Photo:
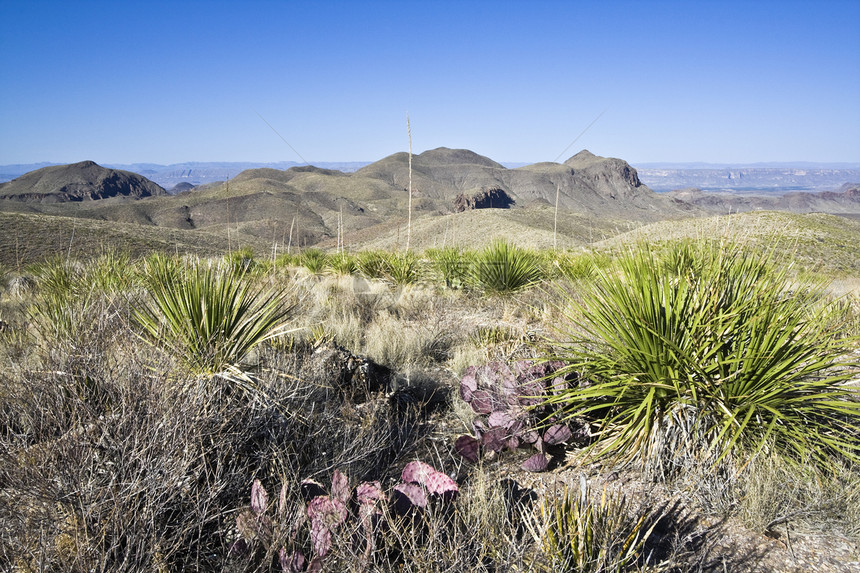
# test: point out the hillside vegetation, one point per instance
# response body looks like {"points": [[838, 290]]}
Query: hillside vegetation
{"points": [[303, 206]]}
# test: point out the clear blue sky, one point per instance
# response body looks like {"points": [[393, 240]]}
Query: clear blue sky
{"points": [[165, 82]]}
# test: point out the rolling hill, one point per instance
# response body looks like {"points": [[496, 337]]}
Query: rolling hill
{"points": [[307, 205], [459, 198]]}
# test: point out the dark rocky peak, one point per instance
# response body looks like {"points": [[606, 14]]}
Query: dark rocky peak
{"points": [[82, 181], [181, 188], [848, 192], [494, 198]]}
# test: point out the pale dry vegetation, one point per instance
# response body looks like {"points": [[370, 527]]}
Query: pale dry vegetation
{"points": [[140, 420]]}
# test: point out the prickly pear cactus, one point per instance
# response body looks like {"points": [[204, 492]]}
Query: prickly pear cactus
{"points": [[508, 405]]}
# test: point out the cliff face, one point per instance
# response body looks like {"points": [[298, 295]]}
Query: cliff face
{"points": [[483, 199], [83, 181]]}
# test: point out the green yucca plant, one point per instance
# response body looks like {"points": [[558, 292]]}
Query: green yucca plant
{"points": [[343, 264], [286, 260], [404, 268], [111, 272], [373, 264], [579, 267], [63, 318], [451, 265], [241, 261], [210, 316], [57, 275], [503, 267], [578, 534], [709, 353], [64, 300], [314, 260]]}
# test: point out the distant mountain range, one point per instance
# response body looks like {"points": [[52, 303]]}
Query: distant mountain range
{"points": [[307, 205], [191, 172], [458, 197], [751, 179], [756, 177]]}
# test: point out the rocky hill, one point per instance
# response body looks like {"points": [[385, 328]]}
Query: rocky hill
{"points": [[308, 205], [457, 196], [83, 181]]}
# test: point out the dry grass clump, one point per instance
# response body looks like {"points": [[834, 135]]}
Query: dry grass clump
{"points": [[772, 495], [399, 326]]}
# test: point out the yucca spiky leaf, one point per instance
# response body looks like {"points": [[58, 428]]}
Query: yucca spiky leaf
{"points": [[207, 314]]}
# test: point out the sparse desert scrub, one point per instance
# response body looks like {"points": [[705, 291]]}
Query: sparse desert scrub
{"points": [[149, 474], [708, 353], [117, 457], [774, 495]]}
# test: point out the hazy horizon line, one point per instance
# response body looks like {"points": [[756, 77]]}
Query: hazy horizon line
{"points": [[798, 164]]}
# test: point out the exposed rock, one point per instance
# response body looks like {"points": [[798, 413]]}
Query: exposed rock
{"points": [[355, 376], [844, 201], [484, 199], [611, 177], [848, 192]]}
